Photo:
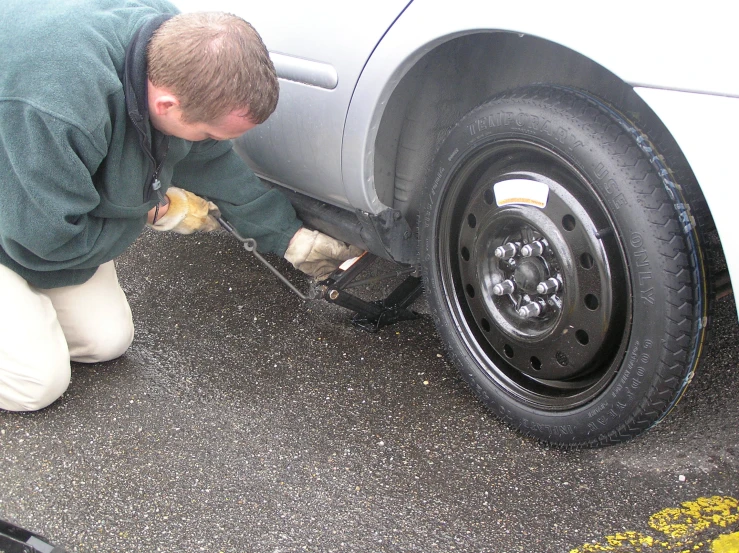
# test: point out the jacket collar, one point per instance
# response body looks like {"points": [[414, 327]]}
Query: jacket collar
{"points": [[135, 77], [135, 88]]}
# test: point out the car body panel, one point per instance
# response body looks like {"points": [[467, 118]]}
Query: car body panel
{"points": [[300, 145], [656, 60], [321, 140]]}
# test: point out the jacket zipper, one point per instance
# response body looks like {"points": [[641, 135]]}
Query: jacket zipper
{"points": [[156, 184]]}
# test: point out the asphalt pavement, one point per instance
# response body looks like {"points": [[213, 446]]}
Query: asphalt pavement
{"points": [[245, 420]]}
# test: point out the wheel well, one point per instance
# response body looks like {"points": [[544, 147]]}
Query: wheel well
{"points": [[459, 75]]}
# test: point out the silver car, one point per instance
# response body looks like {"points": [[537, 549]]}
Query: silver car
{"points": [[560, 172]]}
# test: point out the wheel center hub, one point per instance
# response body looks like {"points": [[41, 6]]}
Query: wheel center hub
{"points": [[529, 273]]}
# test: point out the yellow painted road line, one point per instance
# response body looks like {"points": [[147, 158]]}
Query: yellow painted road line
{"points": [[706, 525]]}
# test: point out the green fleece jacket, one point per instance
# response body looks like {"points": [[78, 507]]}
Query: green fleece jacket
{"points": [[75, 179]]}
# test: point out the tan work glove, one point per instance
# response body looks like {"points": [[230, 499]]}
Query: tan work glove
{"points": [[187, 213], [316, 254]]}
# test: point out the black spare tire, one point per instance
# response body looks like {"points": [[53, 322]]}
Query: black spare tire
{"points": [[562, 270]]}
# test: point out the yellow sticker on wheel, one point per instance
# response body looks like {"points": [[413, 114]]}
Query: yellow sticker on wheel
{"points": [[706, 525]]}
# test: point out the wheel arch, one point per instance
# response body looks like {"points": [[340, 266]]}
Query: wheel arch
{"points": [[464, 71]]}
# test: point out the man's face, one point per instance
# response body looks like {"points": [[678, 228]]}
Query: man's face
{"points": [[231, 126]]}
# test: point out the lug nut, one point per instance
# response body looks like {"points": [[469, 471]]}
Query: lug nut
{"points": [[533, 249], [548, 286], [530, 310], [506, 251], [503, 288]]}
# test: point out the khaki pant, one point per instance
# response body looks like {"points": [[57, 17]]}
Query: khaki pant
{"points": [[42, 330]]}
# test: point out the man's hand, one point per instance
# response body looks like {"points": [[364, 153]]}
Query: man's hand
{"points": [[316, 254], [187, 213]]}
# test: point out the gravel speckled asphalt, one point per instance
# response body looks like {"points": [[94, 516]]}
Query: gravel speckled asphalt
{"points": [[243, 420]]}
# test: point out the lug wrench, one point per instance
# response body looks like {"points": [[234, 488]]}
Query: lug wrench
{"points": [[250, 245], [369, 316]]}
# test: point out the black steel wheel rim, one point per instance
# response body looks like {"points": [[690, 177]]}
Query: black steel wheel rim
{"points": [[540, 295]]}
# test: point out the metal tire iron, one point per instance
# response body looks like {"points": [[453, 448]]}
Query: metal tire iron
{"points": [[370, 316]]}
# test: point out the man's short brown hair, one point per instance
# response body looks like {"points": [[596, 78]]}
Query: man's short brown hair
{"points": [[214, 63]]}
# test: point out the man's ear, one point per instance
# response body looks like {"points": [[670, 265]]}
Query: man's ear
{"points": [[164, 102], [161, 100]]}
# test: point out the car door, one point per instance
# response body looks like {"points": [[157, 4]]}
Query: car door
{"points": [[319, 50]]}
